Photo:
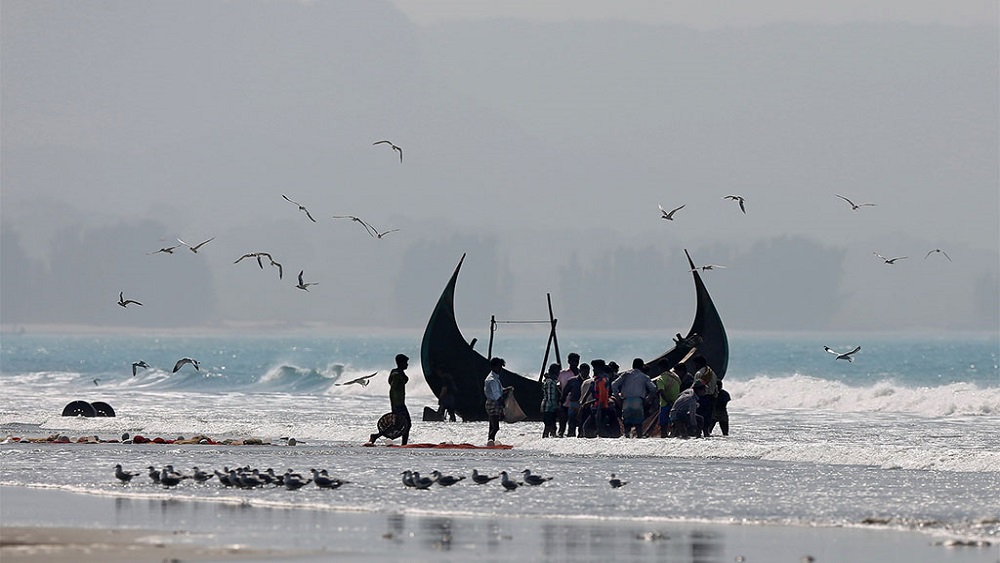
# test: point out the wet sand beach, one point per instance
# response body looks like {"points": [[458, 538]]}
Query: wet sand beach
{"points": [[56, 525]]}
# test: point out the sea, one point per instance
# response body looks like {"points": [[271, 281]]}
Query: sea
{"points": [[905, 437]]}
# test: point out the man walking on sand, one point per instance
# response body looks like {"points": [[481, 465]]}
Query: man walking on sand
{"points": [[397, 399]]}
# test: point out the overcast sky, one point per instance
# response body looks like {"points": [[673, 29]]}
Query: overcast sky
{"points": [[538, 137]]}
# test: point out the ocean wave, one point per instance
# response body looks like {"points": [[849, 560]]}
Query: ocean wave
{"points": [[887, 395]]}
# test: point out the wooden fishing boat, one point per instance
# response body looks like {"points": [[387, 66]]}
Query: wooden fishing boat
{"points": [[446, 354]]}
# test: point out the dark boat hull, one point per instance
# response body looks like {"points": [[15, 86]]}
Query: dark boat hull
{"points": [[444, 350]]}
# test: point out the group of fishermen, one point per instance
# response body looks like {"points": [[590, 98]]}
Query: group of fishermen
{"points": [[595, 400], [591, 400]]}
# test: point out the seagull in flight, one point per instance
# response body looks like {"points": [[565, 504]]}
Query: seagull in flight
{"points": [[889, 260], [855, 206], [846, 355], [303, 285], [708, 267], [197, 246], [258, 256], [740, 199], [362, 381], [136, 365], [938, 250], [165, 250], [126, 302], [180, 363], [302, 208], [669, 216], [372, 232], [379, 235], [394, 147], [96, 379]]}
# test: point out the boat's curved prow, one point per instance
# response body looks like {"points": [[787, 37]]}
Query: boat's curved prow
{"points": [[445, 353], [707, 336]]}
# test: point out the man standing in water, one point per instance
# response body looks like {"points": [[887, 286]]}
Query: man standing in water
{"points": [[494, 391], [397, 399]]}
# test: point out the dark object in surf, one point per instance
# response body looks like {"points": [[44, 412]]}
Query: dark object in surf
{"points": [[389, 427], [79, 408], [83, 408], [445, 350], [102, 409]]}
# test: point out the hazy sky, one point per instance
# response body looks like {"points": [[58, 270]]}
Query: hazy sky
{"points": [[538, 137]]}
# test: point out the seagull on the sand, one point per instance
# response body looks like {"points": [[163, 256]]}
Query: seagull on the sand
{"points": [[740, 199], [294, 481], [372, 232], [394, 147], [302, 208], [197, 246], [165, 250], [421, 482], [140, 364], [843, 356], [326, 482], [938, 250], [615, 482], [855, 206], [407, 478], [126, 302], [122, 475], [480, 479], [445, 480], [534, 479], [154, 474], [180, 363], [507, 482], [200, 476], [362, 381], [708, 267], [889, 260], [303, 285], [669, 216]]}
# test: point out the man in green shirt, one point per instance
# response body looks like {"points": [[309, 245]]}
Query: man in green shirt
{"points": [[668, 386]]}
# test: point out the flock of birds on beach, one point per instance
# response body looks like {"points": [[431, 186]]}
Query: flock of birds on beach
{"points": [[252, 478]]}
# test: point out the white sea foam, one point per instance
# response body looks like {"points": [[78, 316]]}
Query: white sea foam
{"points": [[800, 391]]}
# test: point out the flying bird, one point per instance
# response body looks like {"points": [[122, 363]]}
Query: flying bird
{"points": [[615, 482], [197, 246], [362, 381], [708, 267], [394, 147], [938, 250], [140, 364], [96, 380], [379, 235], [256, 255], [855, 206], [889, 260], [740, 199], [126, 302], [846, 355], [166, 250], [303, 285], [669, 216], [302, 208], [180, 363], [368, 228]]}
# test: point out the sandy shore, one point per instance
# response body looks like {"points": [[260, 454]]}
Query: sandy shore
{"points": [[55, 526]]}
